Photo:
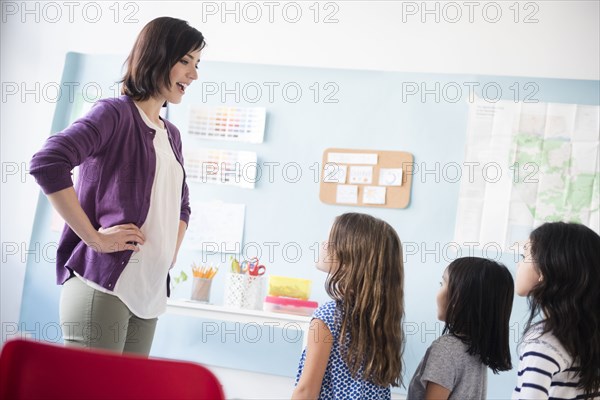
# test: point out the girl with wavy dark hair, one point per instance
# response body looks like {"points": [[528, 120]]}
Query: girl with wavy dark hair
{"points": [[355, 343], [560, 275], [475, 301]]}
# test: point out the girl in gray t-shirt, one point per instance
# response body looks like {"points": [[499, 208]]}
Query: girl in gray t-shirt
{"points": [[475, 301]]}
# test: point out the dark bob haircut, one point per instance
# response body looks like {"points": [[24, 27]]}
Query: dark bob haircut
{"points": [[159, 46], [567, 255], [479, 303]]}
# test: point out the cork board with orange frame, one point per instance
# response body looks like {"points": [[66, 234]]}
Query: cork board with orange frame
{"points": [[368, 178]]}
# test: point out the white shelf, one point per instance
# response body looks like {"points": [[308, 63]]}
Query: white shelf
{"points": [[192, 308]]}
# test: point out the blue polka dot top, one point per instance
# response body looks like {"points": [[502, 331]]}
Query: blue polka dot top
{"points": [[338, 382]]}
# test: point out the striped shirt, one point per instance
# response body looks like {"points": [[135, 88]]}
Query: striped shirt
{"points": [[545, 369]]}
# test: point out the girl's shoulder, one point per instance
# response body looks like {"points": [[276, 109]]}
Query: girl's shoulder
{"points": [[449, 344], [536, 334], [537, 341], [327, 313], [325, 309]]}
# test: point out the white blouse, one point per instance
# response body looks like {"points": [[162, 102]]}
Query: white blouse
{"points": [[143, 284]]}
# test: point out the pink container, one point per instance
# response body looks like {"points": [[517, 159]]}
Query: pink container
{"points": [[289, 305]]}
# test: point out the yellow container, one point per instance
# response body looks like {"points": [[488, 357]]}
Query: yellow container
{"points": [[289, 287]]}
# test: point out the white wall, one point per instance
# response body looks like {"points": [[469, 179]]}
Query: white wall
{"points": [[387, 35]]}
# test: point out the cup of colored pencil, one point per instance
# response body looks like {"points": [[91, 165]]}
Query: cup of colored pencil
{"points": [[203, 276], [204, 271]]}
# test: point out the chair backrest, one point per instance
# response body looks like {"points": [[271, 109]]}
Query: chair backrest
{"points": [[30, 369]]}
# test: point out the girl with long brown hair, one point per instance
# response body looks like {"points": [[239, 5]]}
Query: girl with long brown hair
{"points": [[355, 343]]}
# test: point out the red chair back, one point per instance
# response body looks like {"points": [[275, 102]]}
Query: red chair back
{"points": [[34, 370]]}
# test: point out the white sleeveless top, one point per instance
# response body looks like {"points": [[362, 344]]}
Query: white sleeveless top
{"points": [[143, 284]]}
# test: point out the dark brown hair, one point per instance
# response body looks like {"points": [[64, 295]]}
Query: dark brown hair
{"points": [[567, 255], [367, 284], [159, 46], [480, 299]]}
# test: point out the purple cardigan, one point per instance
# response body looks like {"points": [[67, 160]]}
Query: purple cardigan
{"points": [[115, 151]]}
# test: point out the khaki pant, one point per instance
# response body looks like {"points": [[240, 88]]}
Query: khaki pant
{"points": [[92, 319]]}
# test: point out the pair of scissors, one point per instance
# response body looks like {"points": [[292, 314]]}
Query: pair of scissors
{"points": [[252, 267]]}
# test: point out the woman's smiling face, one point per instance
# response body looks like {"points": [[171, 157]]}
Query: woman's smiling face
{"points": [[183, 73]]}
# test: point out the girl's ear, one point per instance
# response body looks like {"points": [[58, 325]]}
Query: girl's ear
{"points": [[541, 278]]}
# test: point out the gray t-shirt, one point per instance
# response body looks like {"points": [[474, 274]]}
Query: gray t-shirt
{"points": [[448, 364]]}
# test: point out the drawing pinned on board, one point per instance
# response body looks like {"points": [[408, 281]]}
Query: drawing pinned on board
{"points": [[335, 173], [352, 158], [390, 176], [347, 194], [361, 174], [215, 226], [374, 195]]}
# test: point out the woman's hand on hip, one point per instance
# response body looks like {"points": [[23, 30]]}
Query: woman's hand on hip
{"points": [[118, 238]]}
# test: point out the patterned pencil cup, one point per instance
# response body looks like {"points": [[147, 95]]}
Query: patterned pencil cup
{"points": [[244, 291], [201, 289]]}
